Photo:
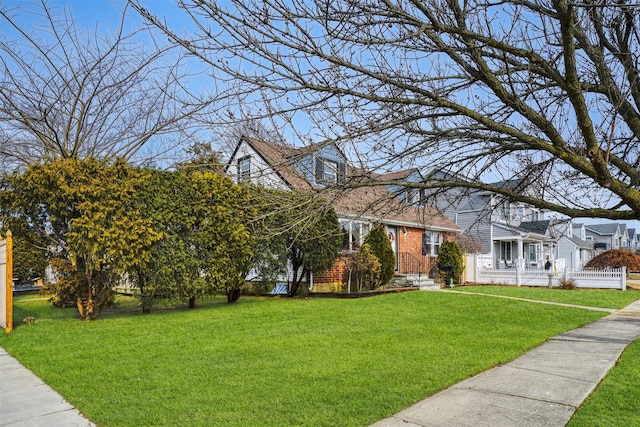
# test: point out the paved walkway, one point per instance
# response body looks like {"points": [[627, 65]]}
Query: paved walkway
{"points": [[26, 401], [541, 388]]}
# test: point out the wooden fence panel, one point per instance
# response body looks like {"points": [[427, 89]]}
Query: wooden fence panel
{"points": [[6, 283]]}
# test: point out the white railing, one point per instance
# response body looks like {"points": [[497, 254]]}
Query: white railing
{"points": [[597, 279]]}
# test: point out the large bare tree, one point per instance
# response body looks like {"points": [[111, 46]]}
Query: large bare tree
{"points": [[545, 92], [70, 92]]}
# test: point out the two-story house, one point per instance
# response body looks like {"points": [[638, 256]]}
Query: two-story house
{"points": [[415, 232], [508, 232], [634, 243], [607, 236], [573, 246]]}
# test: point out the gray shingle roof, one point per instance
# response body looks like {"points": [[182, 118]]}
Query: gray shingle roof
{"points": [[608, 229], [582, 244], [538, 227], [366, 201]]}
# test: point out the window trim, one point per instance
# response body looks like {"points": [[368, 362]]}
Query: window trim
{"points": [[505, 211], [244, 175], [504, 252], [321, 176], [431, 242]]}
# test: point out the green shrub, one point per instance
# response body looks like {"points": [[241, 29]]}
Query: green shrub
{"points": [[366, 269], [450, 255], [381, 247]]}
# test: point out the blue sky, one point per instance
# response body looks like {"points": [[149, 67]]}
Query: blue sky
{"points": [[106, 14]]}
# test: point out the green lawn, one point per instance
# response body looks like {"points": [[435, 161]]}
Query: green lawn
{"points": [[606, 298], [615, 401], [269, 362]]}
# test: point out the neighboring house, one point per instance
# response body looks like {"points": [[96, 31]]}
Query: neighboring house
{"points": [[573, 246], [415, 232], [509, 233], [607, 236], [634, 245]]}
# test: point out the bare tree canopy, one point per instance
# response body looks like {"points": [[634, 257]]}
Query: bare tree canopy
{"points": [[70, 93], [542, 91]]}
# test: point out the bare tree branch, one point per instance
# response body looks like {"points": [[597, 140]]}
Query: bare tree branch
{"points": [[67, 93], [545, 91]]}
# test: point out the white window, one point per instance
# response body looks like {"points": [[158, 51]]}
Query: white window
{"points": [[244, 169], [534, 215], [364, 230], [355, 232], [329, 171], [533, 252], [505, 251], [430, 243], [413, 197], [505, 211]]}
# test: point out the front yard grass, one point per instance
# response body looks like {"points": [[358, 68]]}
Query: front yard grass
{"points": [[615, 401], [604, 298], [277, 361]]}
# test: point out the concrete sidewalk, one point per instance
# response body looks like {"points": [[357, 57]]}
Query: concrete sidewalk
{"points": [[541, 388], [25, 400]]}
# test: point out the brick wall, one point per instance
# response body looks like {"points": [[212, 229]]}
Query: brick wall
{"points": [[336, 278], [410, 240], [333, 279]]}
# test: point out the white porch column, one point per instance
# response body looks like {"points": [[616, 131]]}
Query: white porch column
{"points": [[520, 261]]}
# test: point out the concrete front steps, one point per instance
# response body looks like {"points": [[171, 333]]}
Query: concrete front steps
{"points": [[413, 280]]}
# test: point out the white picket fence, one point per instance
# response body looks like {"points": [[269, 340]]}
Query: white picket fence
{"points": [[595, 279]]}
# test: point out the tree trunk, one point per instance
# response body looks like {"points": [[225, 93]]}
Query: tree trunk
{"points": [[192, 302], [145, 298], [233, 295], [297, 261]]}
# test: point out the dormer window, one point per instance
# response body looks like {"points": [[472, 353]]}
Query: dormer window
{"points": [[413, 197], [244, 169], [329, 171]]}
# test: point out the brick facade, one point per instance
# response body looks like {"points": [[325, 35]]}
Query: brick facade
{"points": [[409, 242], [332, 280]]}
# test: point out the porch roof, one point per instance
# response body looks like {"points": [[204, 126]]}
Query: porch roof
{"points": [[514, 233]]}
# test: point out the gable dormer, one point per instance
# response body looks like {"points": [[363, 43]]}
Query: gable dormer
{"points": [[321, 165], [410, 195]]}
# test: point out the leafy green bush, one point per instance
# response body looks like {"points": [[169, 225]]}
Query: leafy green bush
{"points": [[381, 247], [450, 255], [366, 269]]}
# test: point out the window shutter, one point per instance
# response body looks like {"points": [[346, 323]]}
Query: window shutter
{"points": [[319, 170], [342, 173]]}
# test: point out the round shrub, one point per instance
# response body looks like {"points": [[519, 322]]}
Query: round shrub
{"points": [[450, 256]]}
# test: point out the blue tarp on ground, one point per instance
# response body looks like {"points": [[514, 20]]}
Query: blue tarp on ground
{"points": [[279, 289]]}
